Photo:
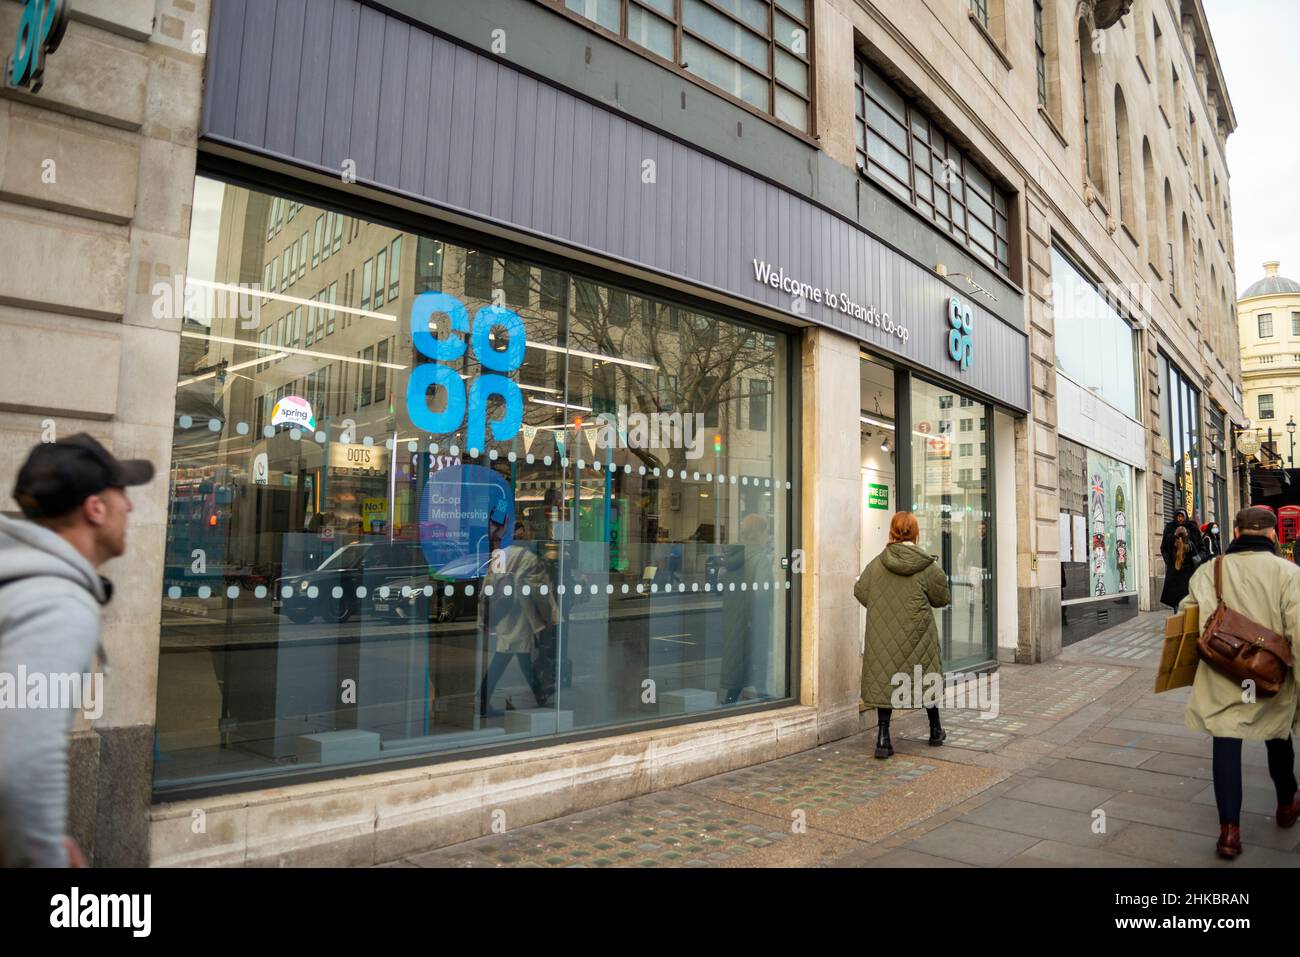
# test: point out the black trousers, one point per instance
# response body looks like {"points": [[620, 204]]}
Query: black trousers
{"points": [[884, 714], [497, 667], [1227, 774]]}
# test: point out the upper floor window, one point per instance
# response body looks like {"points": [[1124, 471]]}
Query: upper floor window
{"points": [[1266, 406], [899, 147], [757, 51], [1265, 325], [980, 10], [1094, 146], [1040, 53]]}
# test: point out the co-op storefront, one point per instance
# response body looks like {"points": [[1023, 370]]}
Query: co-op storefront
{"points": [[479, 455]]}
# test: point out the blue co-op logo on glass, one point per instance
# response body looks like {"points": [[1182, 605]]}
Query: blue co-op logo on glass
{"points": [[490, 322]]}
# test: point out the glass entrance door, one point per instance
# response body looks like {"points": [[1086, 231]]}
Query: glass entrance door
{"points": [[879, 440], [952, 497]]}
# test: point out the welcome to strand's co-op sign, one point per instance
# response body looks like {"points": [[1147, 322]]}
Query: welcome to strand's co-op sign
{"points": [[803, 292]]}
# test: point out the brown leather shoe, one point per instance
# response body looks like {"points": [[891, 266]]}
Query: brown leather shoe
{"points": [[1287, 814], [1229, 845]]}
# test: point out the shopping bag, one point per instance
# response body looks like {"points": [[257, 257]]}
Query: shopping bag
{"points": [[1179, 657]]}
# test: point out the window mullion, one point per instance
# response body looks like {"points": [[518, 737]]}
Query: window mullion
{"points": [[678, 57], [911, 151], [771, 59]]}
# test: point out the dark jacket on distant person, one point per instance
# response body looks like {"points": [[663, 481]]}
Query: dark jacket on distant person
{"points": [[1167, 538], [1210, 542], [1177, 579]]}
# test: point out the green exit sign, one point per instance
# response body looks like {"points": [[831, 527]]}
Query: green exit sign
{"points": [[877, 496]]}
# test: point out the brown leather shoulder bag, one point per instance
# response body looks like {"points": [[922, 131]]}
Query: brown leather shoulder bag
{"points": [[1242, 649]]}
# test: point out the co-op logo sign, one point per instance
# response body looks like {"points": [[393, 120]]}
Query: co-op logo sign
{"points": [[40, 31], [961, 327], [490, 324]]}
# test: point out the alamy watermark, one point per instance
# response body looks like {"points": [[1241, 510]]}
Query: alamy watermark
{"points": [[921, 689], [654, 430], [199, 299], [40, 690]]}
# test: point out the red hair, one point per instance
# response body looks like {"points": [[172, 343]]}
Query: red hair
{"points": [[903, 527]]}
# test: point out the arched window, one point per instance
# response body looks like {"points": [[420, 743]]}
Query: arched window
{"points": [[1162, 67], [1094, 140], [1151, 200], [1124, 164], [1214, 320], [1205, 293], [1171, 234], [1047, 65], [1188, 268]]}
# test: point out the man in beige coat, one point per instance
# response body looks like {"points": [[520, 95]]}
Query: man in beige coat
{"points": [[1261, 585]]}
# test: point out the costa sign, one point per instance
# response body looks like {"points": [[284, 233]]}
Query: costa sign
{"points": [[40, 31]]}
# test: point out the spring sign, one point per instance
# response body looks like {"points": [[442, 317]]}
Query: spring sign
{"points": [[464, 406]]}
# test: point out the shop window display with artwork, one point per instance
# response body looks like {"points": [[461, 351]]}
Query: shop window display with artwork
{"points": [[1096, 524]]}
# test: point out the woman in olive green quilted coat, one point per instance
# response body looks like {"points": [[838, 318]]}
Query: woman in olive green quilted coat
{"points": [[899, 588]]}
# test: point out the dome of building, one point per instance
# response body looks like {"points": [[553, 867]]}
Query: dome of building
{"points": [[1272, 284]]}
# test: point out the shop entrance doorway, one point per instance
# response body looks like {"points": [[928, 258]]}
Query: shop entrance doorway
{"points": [[878, 436]]}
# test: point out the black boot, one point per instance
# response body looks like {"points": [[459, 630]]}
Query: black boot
{"points": [[937, 734], [884, 747]]}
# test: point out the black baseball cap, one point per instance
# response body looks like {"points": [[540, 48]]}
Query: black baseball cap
{"points": [[59, 476]]}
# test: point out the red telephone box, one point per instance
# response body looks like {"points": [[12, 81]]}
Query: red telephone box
{"points": [[1288, 523]]}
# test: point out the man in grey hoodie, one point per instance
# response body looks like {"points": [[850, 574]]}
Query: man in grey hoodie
{"points": [[73, 495]]}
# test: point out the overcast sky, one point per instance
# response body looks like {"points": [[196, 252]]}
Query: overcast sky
{"points": [[1256, 42]]}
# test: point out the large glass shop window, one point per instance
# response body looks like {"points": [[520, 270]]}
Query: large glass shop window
{"points": [[952, 499], [1184, 402], [1095, 345], [427, 498], [1097, 524]]}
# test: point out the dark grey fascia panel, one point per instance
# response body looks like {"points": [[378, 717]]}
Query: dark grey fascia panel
{"points": [[567, 54], [432, 119]]}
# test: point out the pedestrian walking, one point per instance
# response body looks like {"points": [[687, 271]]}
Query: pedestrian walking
{"points": [[1211, 544], [1257, 583], [516, 612], [899, 587], [1179, 571], [1180, 520], [73, 498]]}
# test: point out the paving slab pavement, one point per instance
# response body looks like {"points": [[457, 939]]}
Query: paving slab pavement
{"points": [[1084, 766]]}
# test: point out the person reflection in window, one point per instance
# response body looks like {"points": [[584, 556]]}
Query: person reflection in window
{"points": [[747, 614], [667, 559], [512, 619]]}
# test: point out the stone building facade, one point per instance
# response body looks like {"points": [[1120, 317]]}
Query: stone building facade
{"points": [[1268, 320], [96, 180], [1023, 209]]}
